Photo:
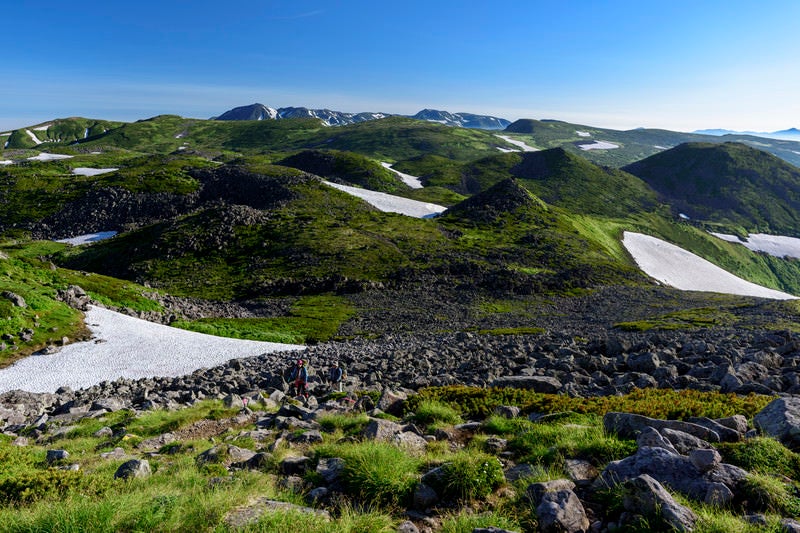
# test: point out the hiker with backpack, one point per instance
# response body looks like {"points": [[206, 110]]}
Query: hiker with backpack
{"points": [[336, 376], [300, 377]]}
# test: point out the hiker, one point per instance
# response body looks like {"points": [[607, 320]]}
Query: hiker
{"points": [[335, 376], [300, 377]]}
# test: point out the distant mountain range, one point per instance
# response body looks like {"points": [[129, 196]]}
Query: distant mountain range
{"points": [[792, 134], [338, 118]]}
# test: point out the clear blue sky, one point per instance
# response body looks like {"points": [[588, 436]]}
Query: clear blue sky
{"points": [[677, 64]]}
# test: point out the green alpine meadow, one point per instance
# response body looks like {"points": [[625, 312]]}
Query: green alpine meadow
{"points": [[510, 359]]}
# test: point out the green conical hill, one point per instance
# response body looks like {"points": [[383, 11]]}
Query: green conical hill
{"points": [[507, 197], [570, 181], [730, 183]]}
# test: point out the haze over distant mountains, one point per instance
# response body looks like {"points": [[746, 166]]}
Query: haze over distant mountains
{"points": [[338, 118], [791, 134]]}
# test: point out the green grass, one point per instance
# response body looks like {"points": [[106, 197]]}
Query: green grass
{"points": [[762, 455], [429, 413], [581, 436], [311, 319], [470, 475], [376, 473], [705, 317]]}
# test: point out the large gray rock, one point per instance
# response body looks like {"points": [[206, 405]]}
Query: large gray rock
{"points": [[678, 472], [135, 468], [382, 430], [629, 425], [683, 442], [781, 419], [543, 384], [14, 298], [644, 495], [561, 512]]}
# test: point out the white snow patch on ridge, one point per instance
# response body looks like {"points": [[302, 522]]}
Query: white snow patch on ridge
{"points": [[390, 203], [88, 237], [412, 181], [44, 156], [775, 245], [521, 144], [6, 162], [85, 171], [686, 271], [33, 137], [127, 347], [598, 145]]}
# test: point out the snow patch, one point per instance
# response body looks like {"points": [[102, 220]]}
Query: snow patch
{"points": [[657, 147], [85, 171], [33, 137], [42, 128], [412, 181], [506, 150], [6, 162], [598, 145], [686, 271], [775, 245], [525, 147], [389, 203], [127, 347], [86, 133], [88, 237], [583, 134], [44, 156]]}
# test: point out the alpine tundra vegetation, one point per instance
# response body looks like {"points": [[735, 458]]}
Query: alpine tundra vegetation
{"points": [[511, 363]]}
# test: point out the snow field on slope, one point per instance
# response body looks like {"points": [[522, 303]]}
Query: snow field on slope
{"points": [[676, 267], [390, 203], [775, 245], [128, 347]]}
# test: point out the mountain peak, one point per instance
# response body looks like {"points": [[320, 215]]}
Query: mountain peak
{"points": [[507, 196], [250, 112]]}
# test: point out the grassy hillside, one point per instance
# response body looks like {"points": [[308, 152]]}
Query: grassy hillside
{"points": [[25, 273], [347, 167], [321, 239], [730, 184]]}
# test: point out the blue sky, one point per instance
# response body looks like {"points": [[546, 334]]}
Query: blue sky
{"points": [[677, 64]]}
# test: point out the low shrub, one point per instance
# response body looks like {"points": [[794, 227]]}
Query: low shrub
{"points": [[431, 412], [656, 403], [470, 476]]}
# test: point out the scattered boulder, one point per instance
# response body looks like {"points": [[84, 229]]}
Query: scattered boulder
{"points": [[629, 425], [135, 468], [14, 298], [781, 419], [646, 496]]}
